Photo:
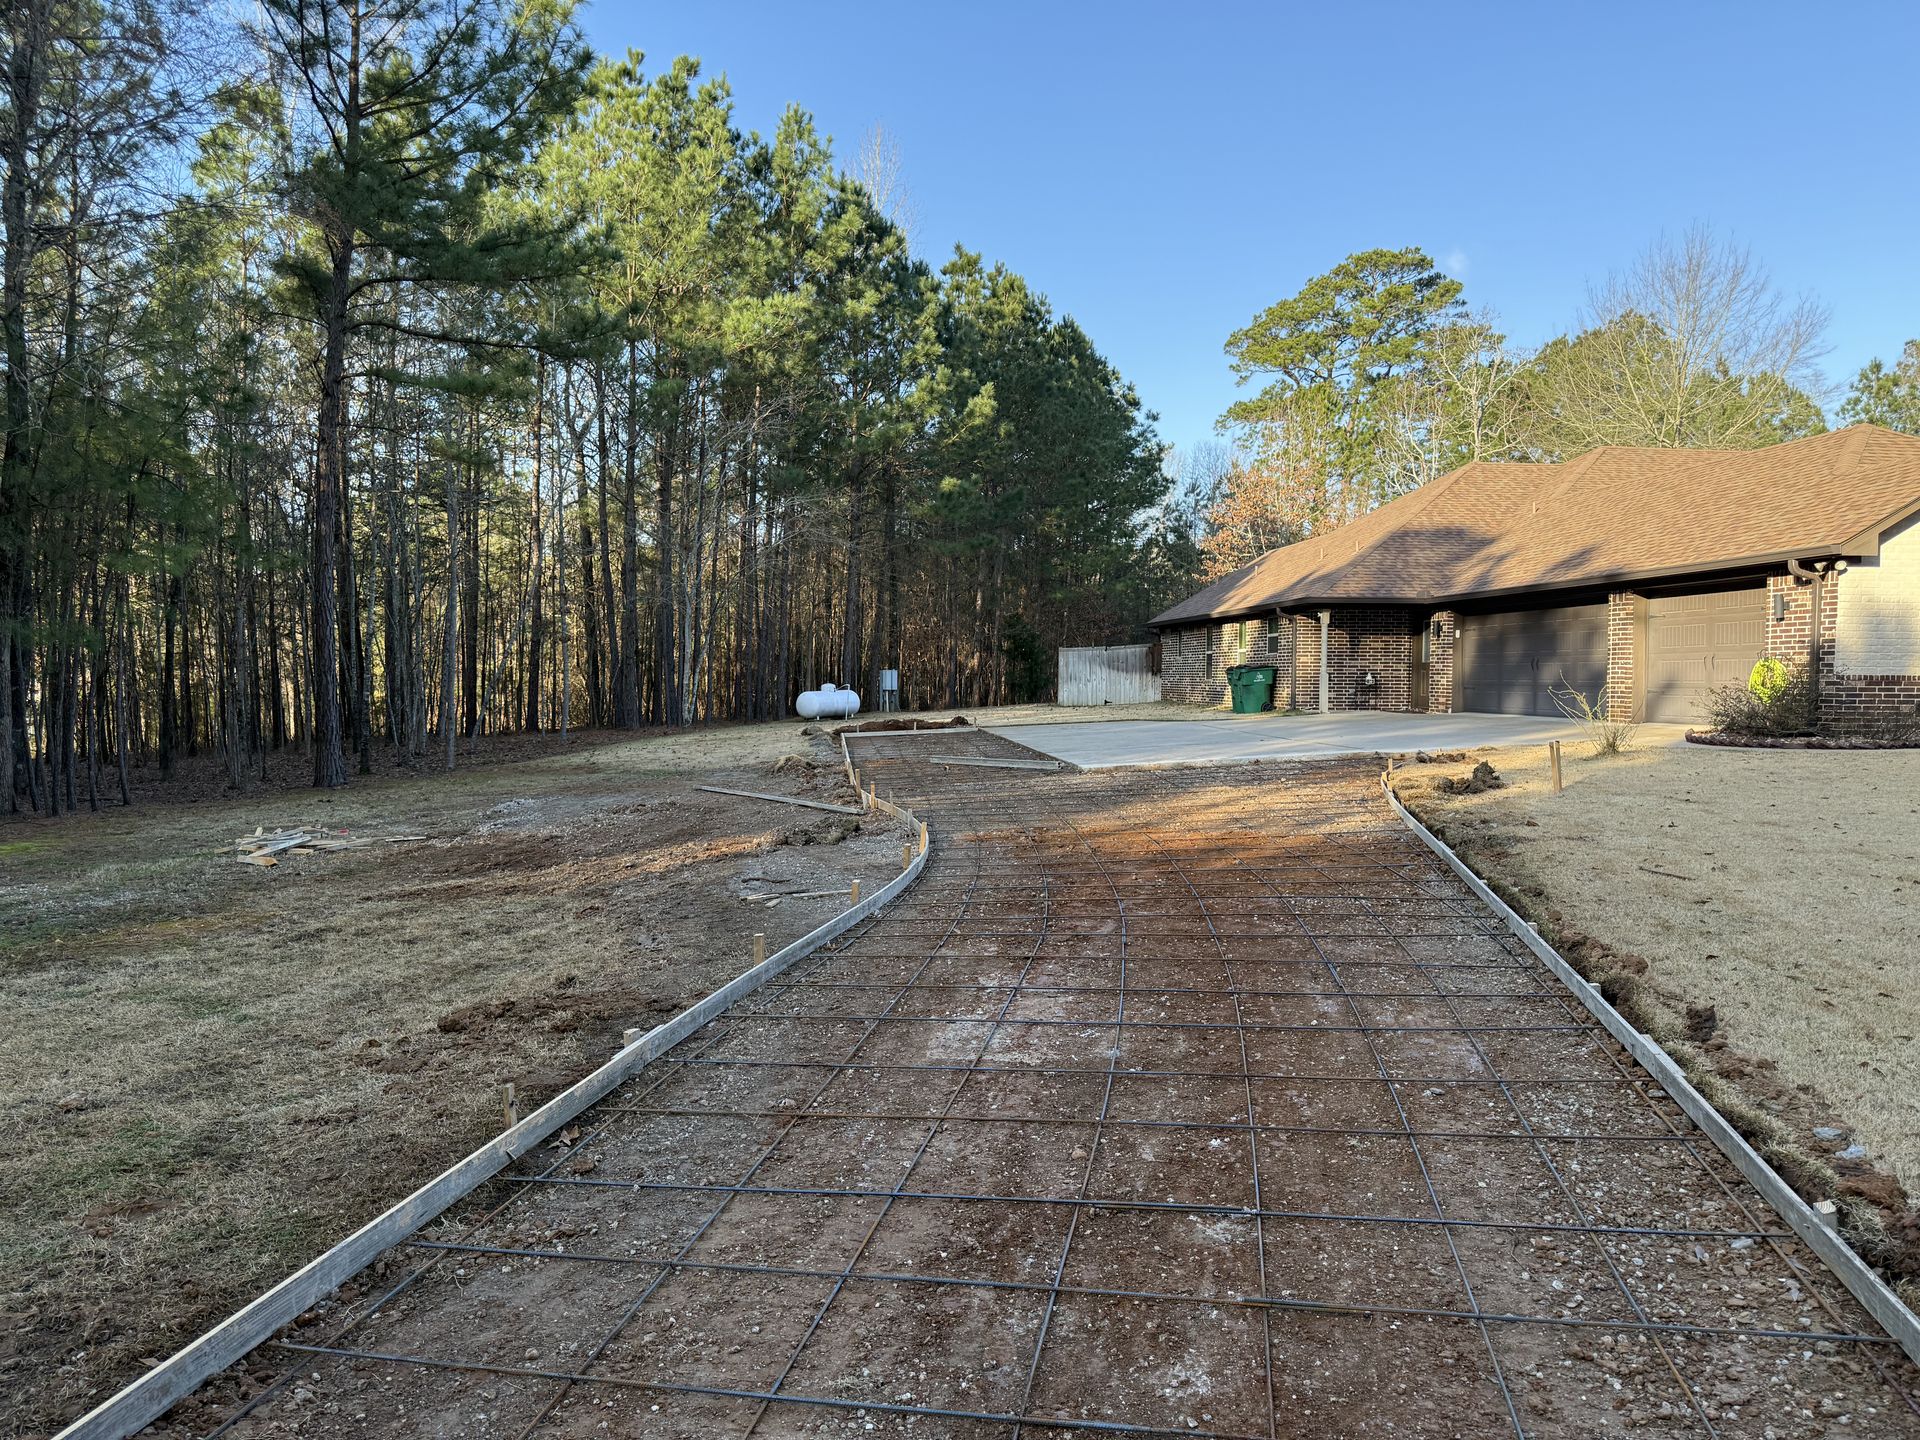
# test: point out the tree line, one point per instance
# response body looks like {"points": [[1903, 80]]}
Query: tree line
{"points": [[1376, 377], [387, 373]]}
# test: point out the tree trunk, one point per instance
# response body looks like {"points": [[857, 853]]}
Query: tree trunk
{"points": [[329, 481], [537, 542], [449, 651]]}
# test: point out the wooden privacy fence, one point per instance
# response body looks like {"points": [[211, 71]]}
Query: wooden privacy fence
{"points": [[1109, 675]]}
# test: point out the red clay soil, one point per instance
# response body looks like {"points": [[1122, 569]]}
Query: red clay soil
{"points": [[1187, 1102]]}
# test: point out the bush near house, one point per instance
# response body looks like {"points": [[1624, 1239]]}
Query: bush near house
{"points": [[1779, 703], [1776, 701]]}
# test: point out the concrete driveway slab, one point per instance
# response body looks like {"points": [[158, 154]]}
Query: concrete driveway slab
{"points": [[1106, 745]]}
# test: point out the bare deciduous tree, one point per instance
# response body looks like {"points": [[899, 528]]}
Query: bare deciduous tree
{"points": [[879, 168], [1692, 345], [1467, 402]]}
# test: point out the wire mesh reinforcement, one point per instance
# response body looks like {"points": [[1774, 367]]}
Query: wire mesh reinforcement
{"points": [[1183, 1101]]}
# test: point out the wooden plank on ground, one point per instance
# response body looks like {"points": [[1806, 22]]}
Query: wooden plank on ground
{"points": [[781, 799], [984, 763], [275, 845]]}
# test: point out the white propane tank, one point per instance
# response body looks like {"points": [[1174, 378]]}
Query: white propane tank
{"points": [[829, 702]]}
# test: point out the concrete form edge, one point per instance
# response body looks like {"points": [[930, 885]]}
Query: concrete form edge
{"points": [[1853, 1272], [146, 1399]]}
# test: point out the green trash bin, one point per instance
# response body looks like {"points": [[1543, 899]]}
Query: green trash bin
{"points": [[1252, 687]]}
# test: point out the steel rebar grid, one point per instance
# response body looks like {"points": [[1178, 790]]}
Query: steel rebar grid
{"points": [[627, 1315], [1010, 806], [1573, 1203], [1735, 1193]]}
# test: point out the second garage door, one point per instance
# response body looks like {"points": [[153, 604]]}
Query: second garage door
{"points": [[1697, 643], [1510, 662]]}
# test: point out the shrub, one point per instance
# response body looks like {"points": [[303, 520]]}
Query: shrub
{"points": [[1769, 680], [1767, 705], [1607, 735]]}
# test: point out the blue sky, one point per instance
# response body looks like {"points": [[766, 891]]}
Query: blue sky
{"points": [[1163, 171]]}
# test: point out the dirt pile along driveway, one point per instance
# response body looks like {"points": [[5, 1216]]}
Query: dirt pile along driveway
{"points": [[1201, 1102]]}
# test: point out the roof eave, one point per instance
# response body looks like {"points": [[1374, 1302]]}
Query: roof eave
{"points": [[1866, 545], [1608, 580], [1854, 548]]}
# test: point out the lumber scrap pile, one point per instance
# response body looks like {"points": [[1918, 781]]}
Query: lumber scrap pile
{"points": [[265, 847]]}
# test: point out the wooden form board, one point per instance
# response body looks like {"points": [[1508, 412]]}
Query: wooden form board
{"points": [[783, 799], [153, 1394], [986, 763], [1853, 1272]]}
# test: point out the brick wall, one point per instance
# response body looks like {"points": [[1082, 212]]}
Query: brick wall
{"points": [[1445, 628], [1876, 619], [1194, 658], [1363, 639], [1862, 623], [1376, 639], [1306, 662], [1844, 696], [1625, 613], [1789, 618], [1281, 655], [1186, 673]]}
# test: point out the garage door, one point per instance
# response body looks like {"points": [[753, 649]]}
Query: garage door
{"points": [[1696, 643], [1510, 662]]}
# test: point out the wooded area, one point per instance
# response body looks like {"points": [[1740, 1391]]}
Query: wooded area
{"points": [[395, 371]]}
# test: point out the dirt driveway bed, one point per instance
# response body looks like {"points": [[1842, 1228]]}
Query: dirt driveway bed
{"points": [[1200, 1102]]}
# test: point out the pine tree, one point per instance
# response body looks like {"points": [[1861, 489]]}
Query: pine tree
{"points": [[419, 109]]}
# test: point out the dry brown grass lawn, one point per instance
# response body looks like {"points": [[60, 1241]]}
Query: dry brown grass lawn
{"points": [[214, 1071], [1780, 887]]}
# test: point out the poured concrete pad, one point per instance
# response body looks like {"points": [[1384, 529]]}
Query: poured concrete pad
{"points": [[1104, 745]]}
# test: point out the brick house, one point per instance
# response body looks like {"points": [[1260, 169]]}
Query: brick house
{"points": [[1651, 576]]}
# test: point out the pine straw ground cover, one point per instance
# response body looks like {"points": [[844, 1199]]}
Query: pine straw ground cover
{"points": [[1758, 912], [213, 1071]]}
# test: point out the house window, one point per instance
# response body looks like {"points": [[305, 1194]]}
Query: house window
{"points": [[1273, 637]]}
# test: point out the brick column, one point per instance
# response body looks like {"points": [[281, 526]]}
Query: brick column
{"points": [[1444, 627], [1624, 610]]}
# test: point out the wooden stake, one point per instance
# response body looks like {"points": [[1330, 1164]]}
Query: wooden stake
{"points": [[923, 837], [906, 856], [856, 894], [759, 949], [509, 1107], [627, 1037], [1553, 754]]}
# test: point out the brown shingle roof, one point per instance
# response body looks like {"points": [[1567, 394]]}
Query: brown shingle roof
{"points": [[1616, 514]]}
